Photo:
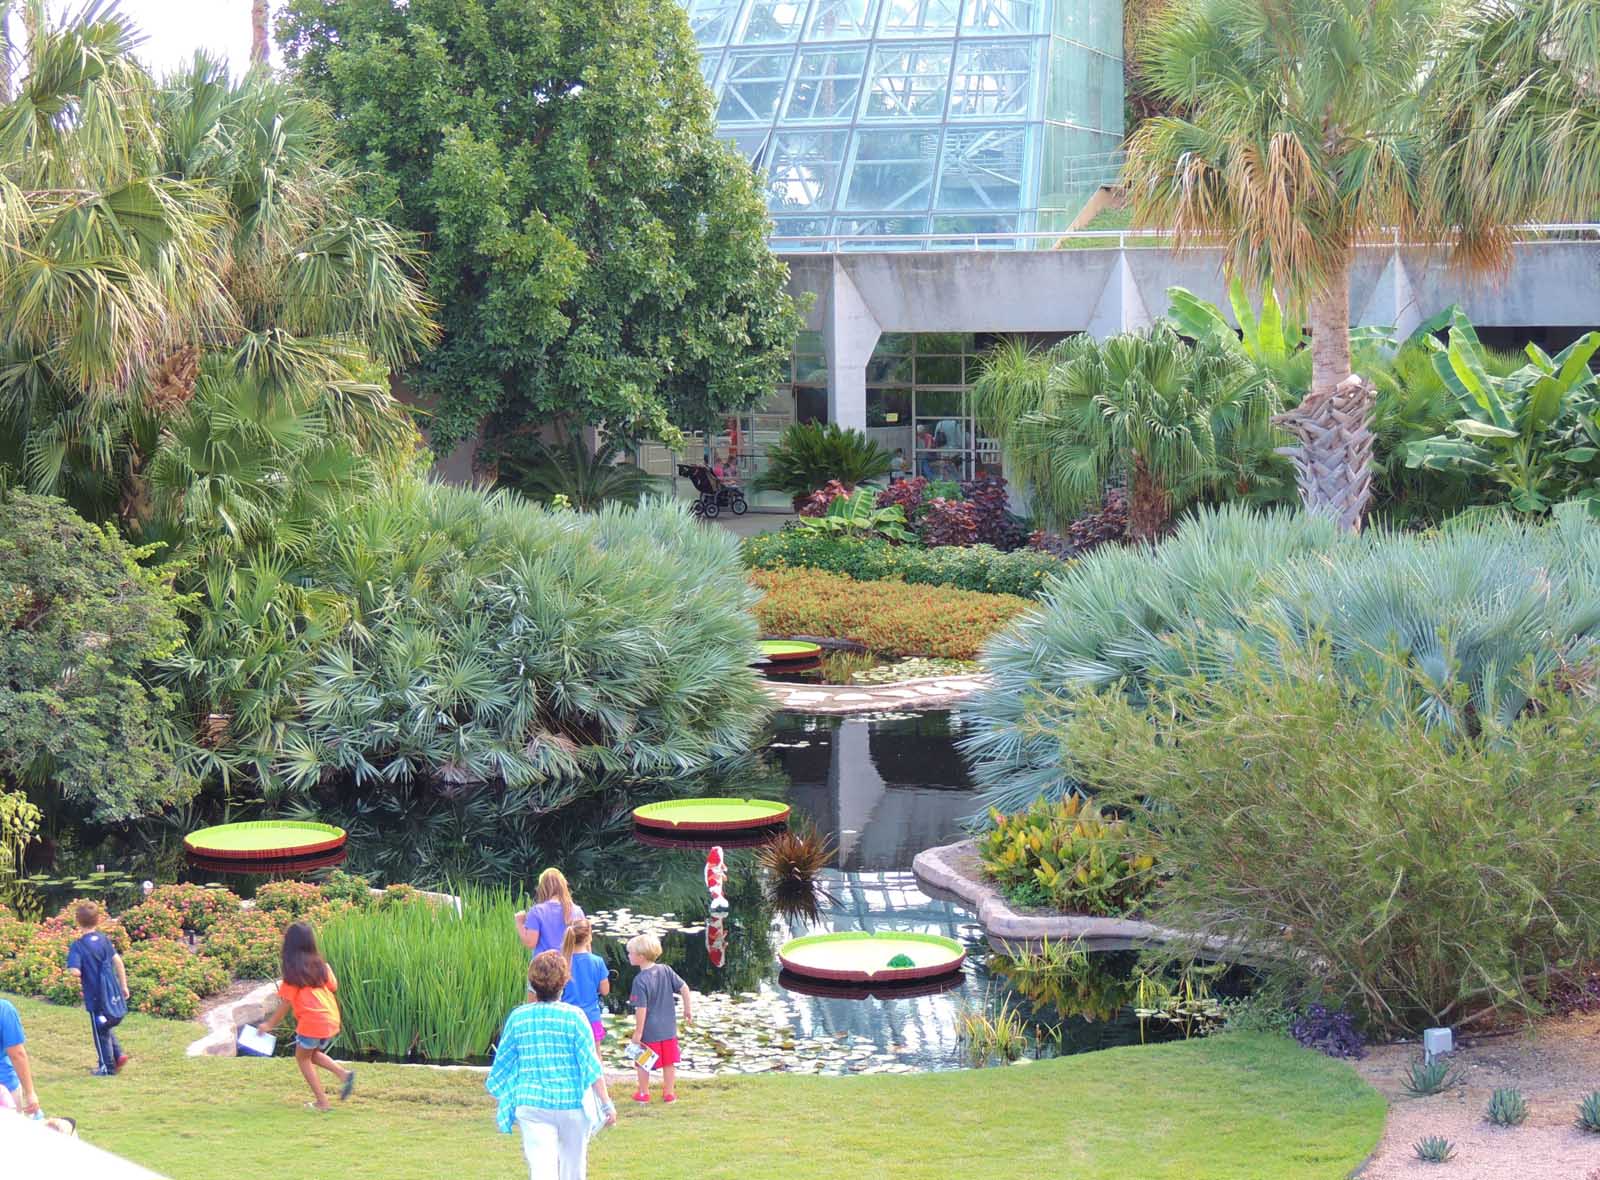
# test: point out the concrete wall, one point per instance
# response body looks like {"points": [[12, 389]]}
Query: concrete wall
{"points": [[860, 296]]}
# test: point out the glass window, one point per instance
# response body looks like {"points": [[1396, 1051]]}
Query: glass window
{"points": [[711, 21], [1001, 16], [752, 83], [804, 170], [841, 20], [892, 171], [938, 370], [917, 18], [827, 85], [908, 83], [1098, 26], [888, 407], [992, 79], [982, 168], [710, 61], [771, 21], [1084, 88]]}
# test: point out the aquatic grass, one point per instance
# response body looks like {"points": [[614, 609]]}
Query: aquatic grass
{"points": [[424, 980]]}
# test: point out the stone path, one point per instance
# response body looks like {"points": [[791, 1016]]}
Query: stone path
{"points": [[933, 693]]}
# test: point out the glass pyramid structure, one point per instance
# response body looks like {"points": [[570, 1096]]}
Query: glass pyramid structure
{"points": [[903, 120]]}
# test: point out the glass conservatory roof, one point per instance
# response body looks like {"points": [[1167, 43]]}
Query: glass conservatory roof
{"points": [[917, 117]]}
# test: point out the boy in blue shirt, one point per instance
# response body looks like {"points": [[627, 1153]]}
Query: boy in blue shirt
{"points": [[16, 1074], [88, 959]]}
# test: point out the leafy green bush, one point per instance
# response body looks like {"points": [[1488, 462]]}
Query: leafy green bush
{"points": [[983, 568], [1339, 816], [250, 945], [807, 455], [888, 618], [459, 982], [857, 514], [197, 907], [1468, 605], [347, 887], [83, 629], [1084, 862], [290, 898]]}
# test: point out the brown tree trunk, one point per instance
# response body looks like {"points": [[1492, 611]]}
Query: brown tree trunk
{"points": [[5, 50], [1333, 424], [1149, 504], [259, 45]]}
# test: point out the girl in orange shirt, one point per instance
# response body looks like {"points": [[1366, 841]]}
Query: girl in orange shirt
{"points": [[307, 989]]}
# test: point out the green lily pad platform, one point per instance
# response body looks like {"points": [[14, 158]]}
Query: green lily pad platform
{"points": [[686, 816], [855, 956], [783, 651], [264, 840]]}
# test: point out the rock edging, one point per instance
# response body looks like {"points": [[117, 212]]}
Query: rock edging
{"points": [[954, 872], [222, 1022]]}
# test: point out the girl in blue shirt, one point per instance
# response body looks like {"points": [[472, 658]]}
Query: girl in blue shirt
{"points": [[590, 980]]}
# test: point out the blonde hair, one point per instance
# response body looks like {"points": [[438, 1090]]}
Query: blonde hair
{"points": [[580, 933], [646, 946], [553, 884]]}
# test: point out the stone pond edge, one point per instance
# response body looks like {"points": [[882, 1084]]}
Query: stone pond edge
{"points": [[928, 692]]}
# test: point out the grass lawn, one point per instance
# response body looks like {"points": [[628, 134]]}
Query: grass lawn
{"points": [[1239, 1107]]}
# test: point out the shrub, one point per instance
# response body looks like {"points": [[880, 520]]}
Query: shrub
{"points": [[991, 513], [292, 898], [889, 618], [949, 522], [809, 455], [982, 568], [80, 705], [1431, 1075], [1434, 1149], [854, 513], [1333, 1033], [1105, 526], [1085, 862], [347, 887], [249, 945], [816, 504], [1429, 872], [1507, 1108], [151, 921], [197, 907], [399, 895]]}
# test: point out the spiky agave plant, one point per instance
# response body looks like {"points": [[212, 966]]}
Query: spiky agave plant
{"points": [[1431, 1075], [1434, 1149], [1589, 1113], [1507, 1107]]}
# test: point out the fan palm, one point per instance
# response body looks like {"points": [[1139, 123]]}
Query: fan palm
{"points": [[1307, 126], [587, 480], [1170, 417]]}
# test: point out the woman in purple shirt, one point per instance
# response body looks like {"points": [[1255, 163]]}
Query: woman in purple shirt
{"points": [[544, 924]]}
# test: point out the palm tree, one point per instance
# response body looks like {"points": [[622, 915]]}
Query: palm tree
{"points": [[586, 480], [1171, 418], [1306, 127]]}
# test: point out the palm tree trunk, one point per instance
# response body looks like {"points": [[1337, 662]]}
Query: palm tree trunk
{"points": [[1333, 423], [1149, 504], [5, 50], [259, 45]]}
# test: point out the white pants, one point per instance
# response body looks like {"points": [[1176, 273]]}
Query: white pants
{"points": [[555, 1142]]}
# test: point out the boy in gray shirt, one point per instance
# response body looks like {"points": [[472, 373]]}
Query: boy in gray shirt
{"points": [[655, 1016]]}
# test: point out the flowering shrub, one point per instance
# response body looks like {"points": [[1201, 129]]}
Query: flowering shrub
{"points": [[949, 522], [197, 907], [973, 567], [816, 504], [888, 618], [148, 921], [248, 945], [347, 887], [289, 897], [399, 895]]}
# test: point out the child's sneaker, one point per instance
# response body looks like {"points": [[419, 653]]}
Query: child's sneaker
{"points": [[122, 1059], [669, 1098], [641, 1095]]}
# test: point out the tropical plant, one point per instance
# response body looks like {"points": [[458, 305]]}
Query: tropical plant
{"points": [[1322, 753], [596, 253], [1391, 122], [84, 628], [1085, 985], [1534, 432], [1589, 1113], [993, 1033], [857, 514], [1173, 419], [866, 559], [809, 454], [1430, 1075], [1332, 1032], [588, 479], [1507, 1108], [1276, 342], [1083, 861], [19, 820]]}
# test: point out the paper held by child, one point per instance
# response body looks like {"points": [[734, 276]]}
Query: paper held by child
{"points": [[255, 1043], [641, 1055]]}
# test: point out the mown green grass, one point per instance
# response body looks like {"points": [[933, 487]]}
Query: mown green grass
{"points": [[1239, 1107]]}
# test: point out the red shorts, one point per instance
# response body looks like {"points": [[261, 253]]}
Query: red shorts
{"points": [[666, 1050]]}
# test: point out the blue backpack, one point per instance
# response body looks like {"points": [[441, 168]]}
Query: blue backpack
{"points": [[104, 990]]}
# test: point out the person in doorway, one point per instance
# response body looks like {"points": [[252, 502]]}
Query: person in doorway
{"points": [[543, 925], [544, 1061], [16, 1071], [897, 465], [95, 964]]}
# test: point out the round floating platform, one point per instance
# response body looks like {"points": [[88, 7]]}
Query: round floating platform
{"points": [[855, 956], [684, 817], [829, 989], [247, 844], [699, 842], [783, 651], [288, 867]]}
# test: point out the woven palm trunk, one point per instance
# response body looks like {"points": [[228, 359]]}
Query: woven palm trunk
{"points": [[1333, 463]]}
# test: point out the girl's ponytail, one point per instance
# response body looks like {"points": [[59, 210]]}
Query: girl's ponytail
{"points": [[578, 934]]}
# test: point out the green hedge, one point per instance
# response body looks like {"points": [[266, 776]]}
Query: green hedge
{"points": [[973, 567]]}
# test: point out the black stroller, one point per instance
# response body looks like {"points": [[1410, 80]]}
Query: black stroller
{"points": [[715, 494]]}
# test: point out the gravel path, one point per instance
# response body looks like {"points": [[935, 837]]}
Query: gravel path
{"points": [[1554, 1064]]}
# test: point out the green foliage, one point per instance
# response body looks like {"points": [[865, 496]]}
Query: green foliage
{"points": [[1176, 420], [1083, 985], [1425, 852], [858, 515], [808, 455], [19, 820], [1535, 432], [1276, 343], [1084, 861], [1507, 1108], [1589, 1113], [425, 981], [1261, 1013], [288, 899], [340, 886], [995, 1033], [1022, 572], [1434, 1149], [250, 945], [198, 908], [595, 251], [84, 627], [586, 479], [1431, 1075]]}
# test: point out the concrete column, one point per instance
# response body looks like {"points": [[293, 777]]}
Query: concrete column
{"points": [[1393, 302], [849, 334], [1120, 306]]}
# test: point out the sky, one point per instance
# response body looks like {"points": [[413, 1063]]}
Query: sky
{"points": [[174, 29]]}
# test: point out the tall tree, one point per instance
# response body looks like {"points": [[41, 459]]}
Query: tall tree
{"points": [[1303, 128], [260, 46], [595, 252]]}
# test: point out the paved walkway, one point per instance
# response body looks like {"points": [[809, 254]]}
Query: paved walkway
{"points": [[933, 693]]}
